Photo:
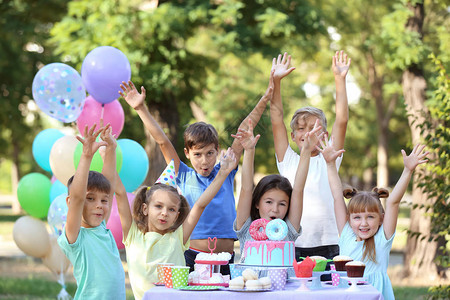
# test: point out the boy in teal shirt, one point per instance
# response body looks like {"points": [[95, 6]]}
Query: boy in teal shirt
{"points": [[85, 240]]}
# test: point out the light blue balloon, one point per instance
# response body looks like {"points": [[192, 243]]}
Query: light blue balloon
{"points": [[42, 146], [57, 214], [57, 189], [134, 164], [59, 92]]}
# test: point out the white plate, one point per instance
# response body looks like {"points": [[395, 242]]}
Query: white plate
{"points": [[246, 290], [199, 288]]}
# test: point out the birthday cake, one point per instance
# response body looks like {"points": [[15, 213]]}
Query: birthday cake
{"points": [[268, 247]]}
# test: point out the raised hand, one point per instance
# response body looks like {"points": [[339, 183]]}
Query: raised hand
{"points": [[327, 149], [245, 136], [90, 145], [415, 158], [227, 160], [131, 95], [341, 63], [281, 66], [107, 136], [311, 138]]}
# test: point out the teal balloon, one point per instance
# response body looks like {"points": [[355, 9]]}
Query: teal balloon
{"points": [[97, 162], [57, 189], [135, 164], [33, 193], [42, 146]]}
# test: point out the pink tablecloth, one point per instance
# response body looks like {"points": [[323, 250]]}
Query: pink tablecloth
{"points": [[366, 292]]}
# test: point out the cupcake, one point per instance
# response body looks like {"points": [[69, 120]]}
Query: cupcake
{"points": [[321, 263], [355, 268], [340, 261], [305, 268]]}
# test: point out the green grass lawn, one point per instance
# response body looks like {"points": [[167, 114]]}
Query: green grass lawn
{"points": [[36, 288]]}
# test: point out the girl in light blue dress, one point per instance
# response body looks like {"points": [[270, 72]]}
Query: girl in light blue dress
{"points": [[367, 230]]}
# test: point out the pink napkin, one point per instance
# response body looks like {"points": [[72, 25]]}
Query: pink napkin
{"points": [[334, 276]]}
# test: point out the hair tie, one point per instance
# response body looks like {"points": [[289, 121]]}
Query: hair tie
{"points": [[148, 188]]}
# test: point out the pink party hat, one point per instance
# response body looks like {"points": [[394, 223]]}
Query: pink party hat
{"points": [[168, 175]]}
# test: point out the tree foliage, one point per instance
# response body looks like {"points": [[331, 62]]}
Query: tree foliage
{"points": [[436, 182], [24, 28]]}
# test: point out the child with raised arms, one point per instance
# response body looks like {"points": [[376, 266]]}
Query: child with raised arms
{"points": [[366, 229], [273, 197], [319, 236], [85, 240], [201, 148], [159, 228]]}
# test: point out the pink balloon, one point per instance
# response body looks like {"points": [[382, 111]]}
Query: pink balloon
{"points": [[93, 111], [114, 221]]}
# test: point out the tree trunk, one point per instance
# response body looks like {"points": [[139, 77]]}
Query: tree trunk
{"points": [[420, 251], [166, 114], [15, 176], [376, 90]]}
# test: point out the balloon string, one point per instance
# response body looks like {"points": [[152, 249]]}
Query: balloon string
{"points": [[103, 110]]}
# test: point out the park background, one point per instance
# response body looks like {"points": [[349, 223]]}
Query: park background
{"points": [[210, 61]]}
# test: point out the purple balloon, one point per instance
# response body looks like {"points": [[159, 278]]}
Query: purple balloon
{"points": [[102, 72]]}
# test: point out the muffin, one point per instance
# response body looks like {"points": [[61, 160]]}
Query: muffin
{"points": [[355, 268], [340, 261]]}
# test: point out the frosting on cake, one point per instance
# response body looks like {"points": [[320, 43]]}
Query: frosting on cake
{"points": [[269, 253]]}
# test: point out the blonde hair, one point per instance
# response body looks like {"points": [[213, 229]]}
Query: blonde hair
{"points": [[144, 195], [370, 202], [306, 112]]}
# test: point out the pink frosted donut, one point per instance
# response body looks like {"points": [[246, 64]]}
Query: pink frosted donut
{"points": [[258, 229]]}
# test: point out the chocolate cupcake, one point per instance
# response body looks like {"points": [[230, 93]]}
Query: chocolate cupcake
{"points": [[355, 269], [340, 261]]}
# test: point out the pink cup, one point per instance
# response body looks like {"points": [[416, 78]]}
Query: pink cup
{"points": [[168, 276], [160, 271], [278, 278]]}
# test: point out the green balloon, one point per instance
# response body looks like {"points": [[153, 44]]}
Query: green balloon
{"points": [[33, 193], [97, 162]]}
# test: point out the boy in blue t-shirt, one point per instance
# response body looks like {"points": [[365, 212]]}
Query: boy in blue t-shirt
{"points": [[201, 147], [85, 240]]}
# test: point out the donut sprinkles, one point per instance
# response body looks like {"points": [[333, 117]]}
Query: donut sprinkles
{"points": [[258, 230], [276, 230]]}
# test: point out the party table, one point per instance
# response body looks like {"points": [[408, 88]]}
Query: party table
{"points": [[366, 292]]}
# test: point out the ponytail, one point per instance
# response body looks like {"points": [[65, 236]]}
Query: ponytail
{"points": [[138, 215]]}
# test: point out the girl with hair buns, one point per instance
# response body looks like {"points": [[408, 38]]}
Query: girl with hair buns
{"points": [[366, 229]]}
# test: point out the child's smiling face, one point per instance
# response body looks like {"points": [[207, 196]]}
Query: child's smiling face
{"points": [[305, 125], [202, 159], [162, 211], [96, 208], [365, 224], [273, 204]]}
